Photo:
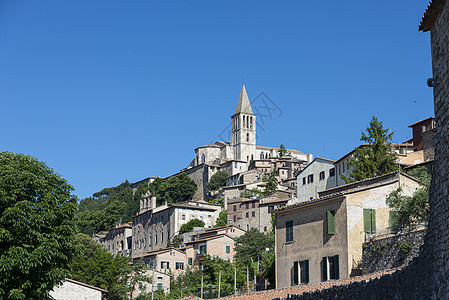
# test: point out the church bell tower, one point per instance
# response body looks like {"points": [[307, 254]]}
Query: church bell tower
{"points": [[243, 136]]}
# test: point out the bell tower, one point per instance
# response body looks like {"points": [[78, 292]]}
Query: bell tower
{"points": [[243, 136]]}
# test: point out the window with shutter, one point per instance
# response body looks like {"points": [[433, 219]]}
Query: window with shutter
{"points": [[330, 217], [324, 269], [295, 273], [394, 222], [289, 231], [369, 220]]}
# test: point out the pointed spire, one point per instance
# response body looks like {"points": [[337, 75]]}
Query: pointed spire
{"points": [[243, 106]]}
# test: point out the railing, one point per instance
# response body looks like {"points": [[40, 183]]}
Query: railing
{"points": [[388, 232]]}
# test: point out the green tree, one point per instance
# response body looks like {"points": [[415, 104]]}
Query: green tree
{"points": [[36, 209], [375, 158], [222, 218], [217, 180], [415, 208], [254, 192], [271, 183], [95, 266], [282, 152], [177, 188], [187, 227], [252, 247]]}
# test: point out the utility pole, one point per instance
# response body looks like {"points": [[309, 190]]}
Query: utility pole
{"points": [[219, 283], [235, 280], [247, 279], [201, 286], [152, 279]]}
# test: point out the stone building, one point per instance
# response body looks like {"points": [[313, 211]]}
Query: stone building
{"points": [[74, 290], [118, 240], [321, 239], [153, 228], [248, 213]]}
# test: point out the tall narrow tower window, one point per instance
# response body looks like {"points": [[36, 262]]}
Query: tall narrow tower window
{"points": [[251, 123], [243, 121], [247, 137]]}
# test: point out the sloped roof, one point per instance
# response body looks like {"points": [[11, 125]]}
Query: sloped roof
{"points": [[431, 14], [243, 105]]}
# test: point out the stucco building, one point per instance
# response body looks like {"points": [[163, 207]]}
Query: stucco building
{"points": [[153, 228], [167, 260], [321, 239], [74, 290]]}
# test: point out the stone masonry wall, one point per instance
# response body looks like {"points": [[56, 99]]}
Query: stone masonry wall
{"points": [[385, 254], [427, 276]]}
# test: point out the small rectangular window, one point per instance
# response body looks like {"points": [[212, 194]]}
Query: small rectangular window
{"points": [[235, 207], [310, 178], [289, 231], [247, 215], [253, 214], [332, 172], [159, 286], [300, 272], [228, 249], [253, 204], [304, 181], [322, 175], [179, 266], [190, 261], [247, 205]]}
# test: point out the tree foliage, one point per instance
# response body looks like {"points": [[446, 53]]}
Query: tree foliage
{"points": [[271, 184], [254, 192], [282, 152], [217, 180], [187, 227], [415, 208], [106, 208], [177, 188], [36, 209], [374, 159], [222, 218]]}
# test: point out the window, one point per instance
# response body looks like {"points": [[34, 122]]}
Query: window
{"points": [[289, 231], [310, 178], [332, 172], [165, 265], [247, 205], [190, 260], [300, 272], [235, 218], [201, 217], [162, 237], [179, 266], [369, 220], [253, 214], [247, 214], [235, 207], [265, 228], [330, 220], [202, 249], [183, 217], [159, 286], [149, 241], [247, 137], [321, 175], [304, 181], [330, 268], [228, 249], [394, 228], [253, 205]]}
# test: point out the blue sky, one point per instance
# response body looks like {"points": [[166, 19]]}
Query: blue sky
{"points": [[105, 91]]}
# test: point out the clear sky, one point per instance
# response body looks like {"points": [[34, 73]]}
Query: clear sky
{"points": [[105, 91]]}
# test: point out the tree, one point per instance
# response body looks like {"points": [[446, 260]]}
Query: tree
{"points": [[177, 188], [282, 151], [187, 227], [222, 218], [375, 158], [36, 209], [410, 209], [271, 185], [217, 180], [254, 192]]}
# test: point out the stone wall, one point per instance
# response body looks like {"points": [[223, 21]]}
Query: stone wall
{"points": [[387, 253]]}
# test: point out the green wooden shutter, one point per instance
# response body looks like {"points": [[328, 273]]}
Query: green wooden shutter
{"points": [[159, 286], [337, 267], [306, 267], [373, 220], [330, 222], [295, 273], [367, 219], [324, 269], [393, 222]]}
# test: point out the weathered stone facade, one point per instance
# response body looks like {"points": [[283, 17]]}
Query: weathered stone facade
{"points": [[386, 253]]}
